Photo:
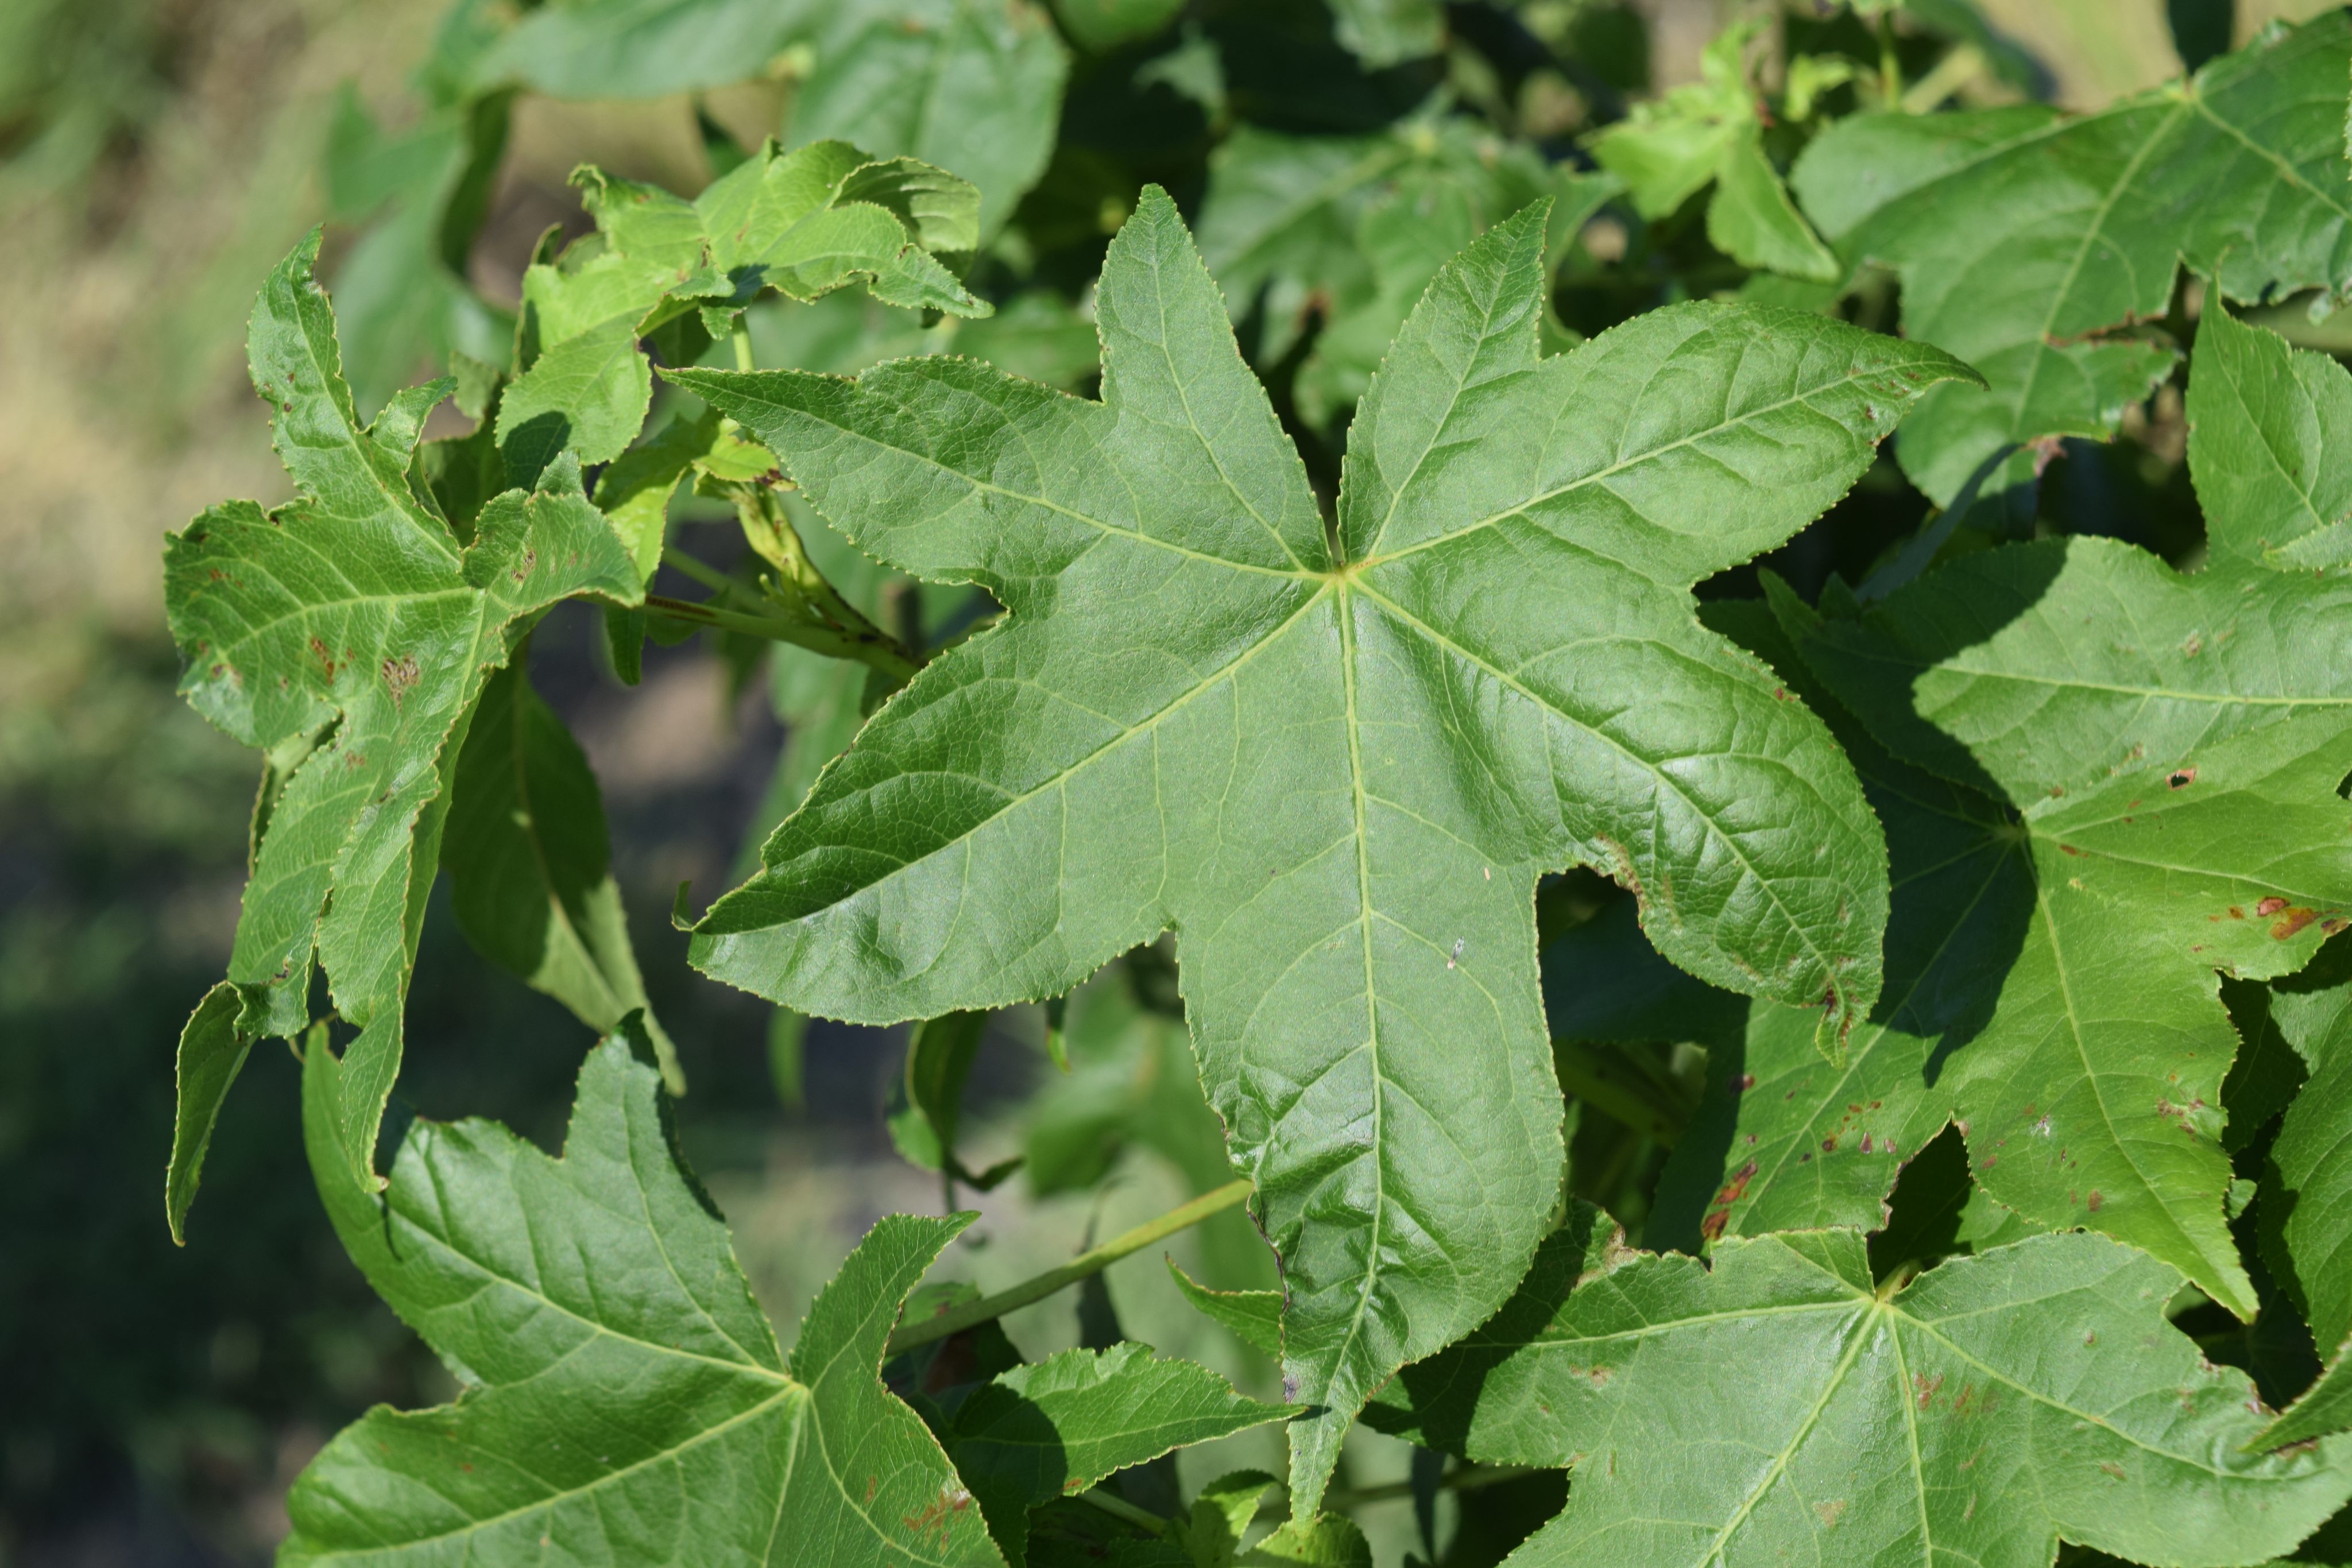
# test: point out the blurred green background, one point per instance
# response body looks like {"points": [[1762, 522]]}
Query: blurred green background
{"points": [[156, 156]]}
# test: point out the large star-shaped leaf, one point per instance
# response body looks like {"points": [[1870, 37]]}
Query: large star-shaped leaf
{"points": [[2139, 791], [625, 1400], [1334, 760], [1782, 1406], [346, 634], [2024, 237]]}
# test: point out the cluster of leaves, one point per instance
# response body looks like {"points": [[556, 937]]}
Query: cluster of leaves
{"points": [[1314, 603]]}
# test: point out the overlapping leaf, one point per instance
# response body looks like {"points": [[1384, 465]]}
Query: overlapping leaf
{"points": [[2139, 773], [2028, 240], [625, 1397], [1335, 766], [347, 636], [802, 223], [1781, 1406]]}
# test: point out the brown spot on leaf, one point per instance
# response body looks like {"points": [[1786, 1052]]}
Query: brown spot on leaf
{"points": [[400, 674], [2097, 1199], [1831, 1512], [2270, 906], [2181, 777], [2295, 920]]}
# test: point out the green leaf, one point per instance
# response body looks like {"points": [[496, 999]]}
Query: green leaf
{"points": [[1254, 1317], [1407, 237], [640, 48], [1752, 220], [1670, 149], [1325, 1541], [422, 194], [2269, 446], [1385, 32], [2027, 241], [1072, 1420], [1222, 1512], [624, 1399], [970, 85], [529, 863], [2159, 803], [353, 609], [211, 1052], [1282, 222], [927, 1101], [1982, 1412], [2306, 1231], [1104, 25], [1336, 773], [803, 223]]}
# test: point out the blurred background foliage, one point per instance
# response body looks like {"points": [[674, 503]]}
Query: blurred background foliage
{"points": [[157, 155]]}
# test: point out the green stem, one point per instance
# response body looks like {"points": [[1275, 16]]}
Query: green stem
{"points": [[874, 650], [1890, 69], [742, 339], [1117, 1506], [1954, 71], [955, 1320], [703, 572]]}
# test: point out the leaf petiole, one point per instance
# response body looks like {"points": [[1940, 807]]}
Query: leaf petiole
{"points": [[1094, 1260], [1117, 1506], [871, 648]]}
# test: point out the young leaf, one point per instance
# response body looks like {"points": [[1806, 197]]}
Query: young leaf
{"points": [[1670, 149], [2155, 802], [1985, 1411], [802, 223], [2025, 239], [212, 1054], [2269, 446], [625, 1397], [1336, 767], [352, 607], [1283, 218], [529, 874], [1072, 1420]]}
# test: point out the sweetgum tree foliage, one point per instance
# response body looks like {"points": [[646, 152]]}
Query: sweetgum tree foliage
{"points": [[1840, 1055]]}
